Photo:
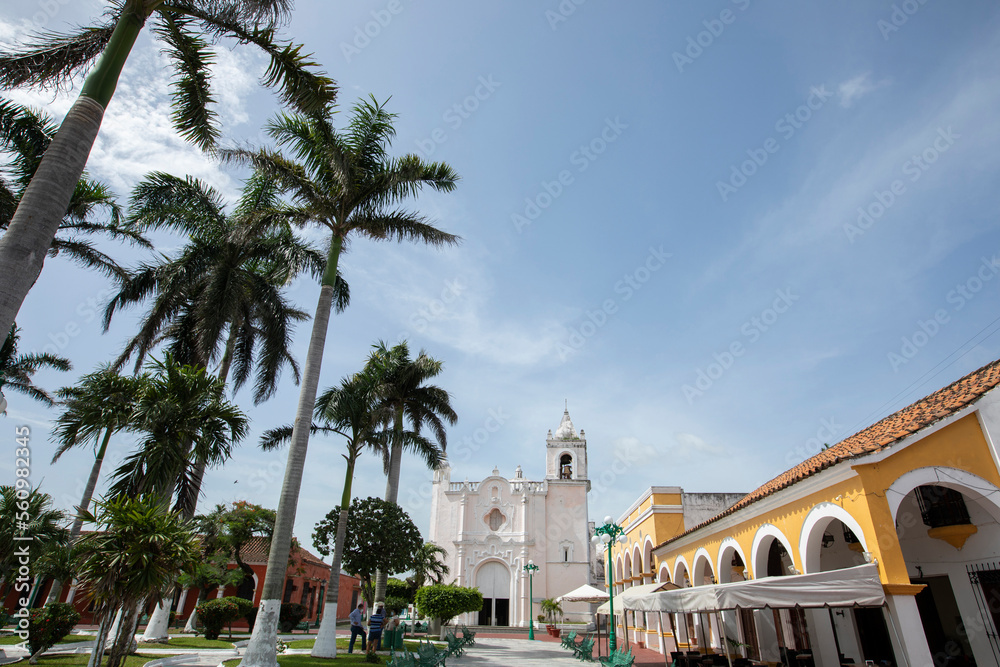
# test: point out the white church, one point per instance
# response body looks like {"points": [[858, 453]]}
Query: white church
{"points": [[491, 529]]}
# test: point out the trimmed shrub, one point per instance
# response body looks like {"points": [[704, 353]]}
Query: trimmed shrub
{"points": [[395, 604], [447, 602], [291, 615], [49, 624], [216, 614]]}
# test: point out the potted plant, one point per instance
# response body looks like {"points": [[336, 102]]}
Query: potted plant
{"points": [[551, 609]]}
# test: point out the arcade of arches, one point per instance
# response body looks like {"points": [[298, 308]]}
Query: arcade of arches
{"points": [[918, 493]]}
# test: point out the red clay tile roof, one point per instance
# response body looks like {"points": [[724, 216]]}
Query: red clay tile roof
{"points": [[257, 549], [881, 435]]}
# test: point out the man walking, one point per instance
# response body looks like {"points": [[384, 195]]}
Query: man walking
{"points": [[375, 627], [357, 628]]}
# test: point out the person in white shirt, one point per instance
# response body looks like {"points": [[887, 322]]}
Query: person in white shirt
{"points": [[357, 628]]}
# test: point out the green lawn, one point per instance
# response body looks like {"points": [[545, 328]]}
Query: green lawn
{"points": [[80, 660], [189, 642], [344, 642], [68, 639]]}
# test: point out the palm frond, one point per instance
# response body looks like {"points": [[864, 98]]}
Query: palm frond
{"points": [[51, 59], [192, 97]]}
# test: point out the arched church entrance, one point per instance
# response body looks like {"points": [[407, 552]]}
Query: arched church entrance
{"points": [[493, 581]]}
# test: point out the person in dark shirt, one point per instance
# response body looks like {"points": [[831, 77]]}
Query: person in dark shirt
{"points": [[375, 627]]}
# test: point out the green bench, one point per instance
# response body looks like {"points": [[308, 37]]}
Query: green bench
{"points": [[569, 640], [619, 659], [585, 650], [304, 625], [468, 636]]}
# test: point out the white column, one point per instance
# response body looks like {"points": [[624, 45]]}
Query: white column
{"points": [[824, 646], [847, 634], [222, 590], [72, 593], [909, 631]]}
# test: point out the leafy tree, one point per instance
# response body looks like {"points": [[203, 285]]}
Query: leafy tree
{"points": [[398, 588], [404, 394], [347, 183], [186, 28], [380, 535], [428, 566], [447, 602], [240, 524], [48, 624], [137, 548], [217, 614], [25, 134], [16, 369]]}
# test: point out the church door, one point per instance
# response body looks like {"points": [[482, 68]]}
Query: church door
{"points": [[493, 581]]}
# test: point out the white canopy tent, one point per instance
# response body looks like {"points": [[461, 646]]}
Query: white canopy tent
{"points": [[851, 587], [585, 593]]}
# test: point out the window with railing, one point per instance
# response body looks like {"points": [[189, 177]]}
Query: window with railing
{"points": [[941, 506]]}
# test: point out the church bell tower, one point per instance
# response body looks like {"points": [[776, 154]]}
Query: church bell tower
{"points": [[566, 453]]}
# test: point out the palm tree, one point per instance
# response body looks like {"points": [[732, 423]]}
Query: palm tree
{"points": [[348, 183], [220, 299], [429, 565], [350, 410], [187, 28], [98, 406], [183, 418], [134, 553], [45, 525], [405, 396], [26, 134], [16, 369]]}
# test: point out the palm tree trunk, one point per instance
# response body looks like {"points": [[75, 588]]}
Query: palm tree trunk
{"points": [[88, 493], [97, 653], [326, 639], [391, 489], [261, 649], [28, 238]]}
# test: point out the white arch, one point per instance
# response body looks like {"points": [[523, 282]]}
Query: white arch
{"points": [[504, 566], [647, 554], [637, 563], [664, 570], [723, 571], [697, 573], [972, 486], [813, 527], [758, 558], [572, 463], [681, 561]]}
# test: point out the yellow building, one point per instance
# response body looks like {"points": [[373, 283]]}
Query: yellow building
{"points": [[918, 493], [660, 513]]}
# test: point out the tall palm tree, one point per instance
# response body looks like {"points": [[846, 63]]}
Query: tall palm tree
{"points": [[16, 369], [429, 565], [404, 394], [25, 134], [99, 406], [221, 298], [346, 182], [187, 28]]}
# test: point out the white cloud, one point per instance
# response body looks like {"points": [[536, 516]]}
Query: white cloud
{"points": [[854, 89]]}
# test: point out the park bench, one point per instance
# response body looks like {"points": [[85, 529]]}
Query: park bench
{"points": [[468, 636], [403, 659], [619, 659], [455, 645], [585, 649], [569, 640], [304, 625], [430, 656]]}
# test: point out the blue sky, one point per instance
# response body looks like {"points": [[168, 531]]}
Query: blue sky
{"points": [[725, 232]]}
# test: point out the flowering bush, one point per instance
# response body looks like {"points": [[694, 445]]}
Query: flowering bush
{"points": [[48, 625], [215, 614]]}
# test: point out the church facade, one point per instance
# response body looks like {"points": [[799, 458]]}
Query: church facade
{"points": [[492, 528]]}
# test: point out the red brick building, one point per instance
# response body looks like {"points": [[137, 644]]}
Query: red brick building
{"points": [[305, 583]]}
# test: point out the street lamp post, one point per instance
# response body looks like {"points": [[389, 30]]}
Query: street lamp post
{"points": [[607, 534], [530, 568]]}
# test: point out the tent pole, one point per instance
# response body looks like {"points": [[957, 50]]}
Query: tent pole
{"points": [[833, 626], [725, 640], [659, 628]]}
